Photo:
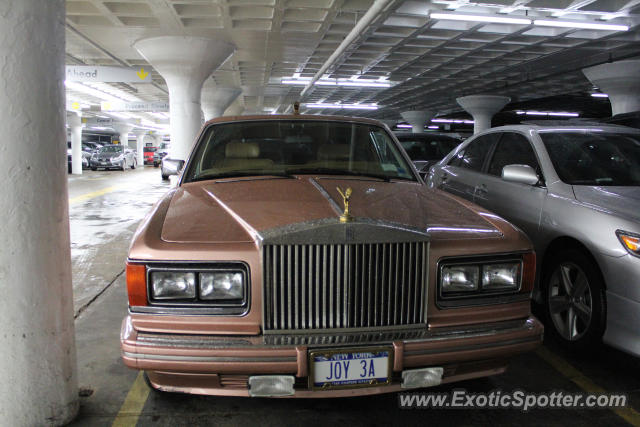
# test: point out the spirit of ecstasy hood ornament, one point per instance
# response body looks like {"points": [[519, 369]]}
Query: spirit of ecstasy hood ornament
{"points": [[345, 217]]}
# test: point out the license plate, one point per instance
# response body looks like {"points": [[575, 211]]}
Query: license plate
{"points": [[103, 163], [350, 368]]}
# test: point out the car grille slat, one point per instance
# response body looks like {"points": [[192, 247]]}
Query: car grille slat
{"points": [[328, 286]]}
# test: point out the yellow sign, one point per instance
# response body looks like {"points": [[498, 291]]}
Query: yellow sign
{"points": [[142, 73]]}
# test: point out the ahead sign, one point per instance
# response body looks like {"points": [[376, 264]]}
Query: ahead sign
{"points": [[89, 73]]}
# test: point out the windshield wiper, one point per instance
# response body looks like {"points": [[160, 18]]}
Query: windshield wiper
{"points": [[211, 176], [329, 171]]}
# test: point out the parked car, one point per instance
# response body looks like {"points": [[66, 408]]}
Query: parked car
{"points": [[149, 156], [113, 156], [85, 158], [575, 191], [160, 154], [427, 148], [277, 268]]}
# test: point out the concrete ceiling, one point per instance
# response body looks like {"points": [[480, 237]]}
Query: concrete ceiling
{"points": [[429, 62]]}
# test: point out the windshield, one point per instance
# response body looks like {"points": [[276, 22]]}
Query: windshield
{"points": [[595, 158], [150, 149], [432, 148], [111, 149], [287, 147]]}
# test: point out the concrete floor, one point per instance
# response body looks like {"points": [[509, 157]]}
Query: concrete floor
{"points": [[104, 210]]}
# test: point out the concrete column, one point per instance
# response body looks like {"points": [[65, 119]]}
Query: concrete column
{"points": [[482, 108], [184, 63], [417, 119], [621, 81], [217, 99], [140, 146], [123, 130], [75, 125], [38, 379]]}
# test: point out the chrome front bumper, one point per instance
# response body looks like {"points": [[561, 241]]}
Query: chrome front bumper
{"points": [[198, 364]]}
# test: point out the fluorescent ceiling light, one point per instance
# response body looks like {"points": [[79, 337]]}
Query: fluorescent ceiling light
{"points": [[434, 127], [548, 113], [599, 95], [343, 106], [363, 84], [584, 25], [404, 126], [339, 82], [480, 18], [466, 122]]}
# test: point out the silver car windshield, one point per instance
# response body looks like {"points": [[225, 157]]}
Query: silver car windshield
{"points": [[294, 147], [594, 158], [111, 149]]}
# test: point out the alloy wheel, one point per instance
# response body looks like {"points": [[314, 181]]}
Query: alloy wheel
{"points": [[570, 301]]}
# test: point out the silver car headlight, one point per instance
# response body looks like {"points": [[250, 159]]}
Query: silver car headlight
{"points": [[222, 285], [503, 276], [459, 278], [221, 288], [173, 285], [466, 279]]}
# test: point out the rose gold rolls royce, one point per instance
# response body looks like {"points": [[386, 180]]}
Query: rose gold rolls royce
{"points": [[303, 256]]}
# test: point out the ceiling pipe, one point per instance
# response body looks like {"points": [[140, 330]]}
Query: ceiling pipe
{"points": [[373, 12]]}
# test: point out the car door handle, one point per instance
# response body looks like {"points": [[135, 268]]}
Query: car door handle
{"points": [[445, 177]]}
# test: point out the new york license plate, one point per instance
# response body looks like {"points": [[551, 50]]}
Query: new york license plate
{"points": [[348, 368]]}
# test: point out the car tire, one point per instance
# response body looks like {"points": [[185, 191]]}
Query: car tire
{"points": [[133, 166], [94, 169], [165, 177], [155, 164], [574, 300]]}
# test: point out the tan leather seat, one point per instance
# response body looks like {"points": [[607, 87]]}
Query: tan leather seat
{"points": [[333, 152], [242, 156]]}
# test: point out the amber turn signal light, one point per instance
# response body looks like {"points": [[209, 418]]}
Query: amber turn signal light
{"points": [[137, 284]]}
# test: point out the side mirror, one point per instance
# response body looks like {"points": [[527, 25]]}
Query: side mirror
{"points": [[172, 166], [522, 174]]}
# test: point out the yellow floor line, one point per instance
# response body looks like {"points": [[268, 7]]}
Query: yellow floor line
{"points": [[133, 404], [627, 413], [83, 197]]}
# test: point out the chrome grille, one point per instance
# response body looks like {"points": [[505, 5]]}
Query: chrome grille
{"points": [[344, 286]]}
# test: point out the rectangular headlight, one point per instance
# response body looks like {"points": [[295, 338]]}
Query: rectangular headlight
{"points": [[173, 285], [224, 285], [459, 278], [502, 276]]}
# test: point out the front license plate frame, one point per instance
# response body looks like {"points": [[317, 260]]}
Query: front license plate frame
{"points": [[330, 353]]}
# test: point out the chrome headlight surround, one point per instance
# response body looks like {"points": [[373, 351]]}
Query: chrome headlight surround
{"points": [[495, 279], [234, 303]]}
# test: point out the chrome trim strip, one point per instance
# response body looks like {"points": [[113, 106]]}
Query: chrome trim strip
{"points": [[282, 341], [470, 347], [210, 359]]}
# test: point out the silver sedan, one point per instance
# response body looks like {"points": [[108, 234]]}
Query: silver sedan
{"points": [[575, 190]]}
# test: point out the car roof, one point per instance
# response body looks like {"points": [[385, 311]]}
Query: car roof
{"points": [[276, 117], [405, 134], [526, 127]]}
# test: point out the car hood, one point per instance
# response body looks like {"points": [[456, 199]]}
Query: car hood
{"points": [[108, 155], [621, 201], [245, 210]]}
